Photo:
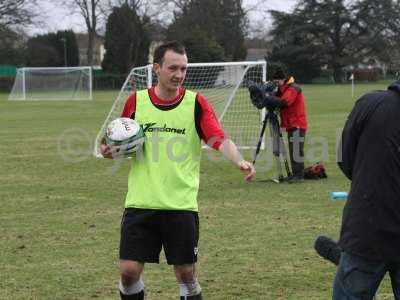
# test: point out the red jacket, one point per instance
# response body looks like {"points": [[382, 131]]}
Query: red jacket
{"points": [[294, 115]]}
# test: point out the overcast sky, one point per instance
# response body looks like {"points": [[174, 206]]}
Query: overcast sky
{"points": [[57, 17]]}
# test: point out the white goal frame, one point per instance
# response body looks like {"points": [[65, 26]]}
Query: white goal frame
{"points": [[236, 91], [23, 91]]}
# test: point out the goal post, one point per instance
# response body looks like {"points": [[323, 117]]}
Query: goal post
{"points": [[58, 83], [225, 86]]}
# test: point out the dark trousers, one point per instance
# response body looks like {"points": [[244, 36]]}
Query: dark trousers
{"points": [[296, 138], [359, 279]]}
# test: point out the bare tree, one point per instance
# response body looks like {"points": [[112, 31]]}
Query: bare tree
{"points": [[94, 12], [146, 8], [90, 10], [175, 4], [16, 12]]}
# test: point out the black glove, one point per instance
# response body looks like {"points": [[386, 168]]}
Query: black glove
{"points": [[275, 102]]}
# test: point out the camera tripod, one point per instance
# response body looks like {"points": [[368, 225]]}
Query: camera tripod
{"points": [[278, 146]]}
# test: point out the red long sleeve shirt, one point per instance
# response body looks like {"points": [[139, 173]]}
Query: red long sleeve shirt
{"points": [[207, 124]]}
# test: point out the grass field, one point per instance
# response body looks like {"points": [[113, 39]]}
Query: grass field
{"points": [[60, 212]]}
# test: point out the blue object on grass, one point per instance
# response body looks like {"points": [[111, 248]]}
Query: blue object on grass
{"points": [[339, 196]]}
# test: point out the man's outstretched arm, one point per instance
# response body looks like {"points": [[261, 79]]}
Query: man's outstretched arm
{"points": [[230, 151]]}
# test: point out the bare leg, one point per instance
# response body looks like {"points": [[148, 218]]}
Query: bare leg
{"points": [[131, 286], [186, 277]]}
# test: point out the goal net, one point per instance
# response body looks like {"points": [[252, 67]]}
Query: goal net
{"points": [[224, 85], [69, 83]]}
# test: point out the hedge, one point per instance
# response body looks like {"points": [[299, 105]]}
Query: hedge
{"points": [[6, 83], [101, 82]]}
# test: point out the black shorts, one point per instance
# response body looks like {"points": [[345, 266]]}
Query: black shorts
{"points": [[145, 231]]}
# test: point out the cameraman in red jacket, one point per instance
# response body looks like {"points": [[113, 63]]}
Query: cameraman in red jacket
{"points": [[290, 101]]}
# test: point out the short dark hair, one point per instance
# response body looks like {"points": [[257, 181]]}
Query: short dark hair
{"points": [[279, 74], [159, 52]]}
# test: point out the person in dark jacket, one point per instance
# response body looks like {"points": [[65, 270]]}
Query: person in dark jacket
{"points": [[370, 233], [290, 100]]}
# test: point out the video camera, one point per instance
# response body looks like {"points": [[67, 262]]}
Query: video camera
{"points": [[259, 94], [264, 96]]}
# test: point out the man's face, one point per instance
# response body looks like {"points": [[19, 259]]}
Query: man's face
{"points": [[172, 71]]}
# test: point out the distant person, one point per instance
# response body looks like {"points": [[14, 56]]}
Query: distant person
{"points": [[370, 233], [290, 100], [161, 204]]}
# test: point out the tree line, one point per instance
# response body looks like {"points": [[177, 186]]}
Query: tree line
{"points": [[200, 24], [335, 34], [317, 35]]}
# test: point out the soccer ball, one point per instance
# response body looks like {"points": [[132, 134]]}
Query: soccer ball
{"points": [[125, 136]]}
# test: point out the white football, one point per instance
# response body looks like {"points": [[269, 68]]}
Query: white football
{"points": [[122, 129], [124, 135]]}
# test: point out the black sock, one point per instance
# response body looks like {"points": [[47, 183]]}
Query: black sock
{"points": [[196, 297], [138, 296]]}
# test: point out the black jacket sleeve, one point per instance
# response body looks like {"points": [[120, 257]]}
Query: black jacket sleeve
{"points": [[356, 121], [348, 144]]}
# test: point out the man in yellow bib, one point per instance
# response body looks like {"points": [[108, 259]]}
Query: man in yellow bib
{"points": [[161, 204]]}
